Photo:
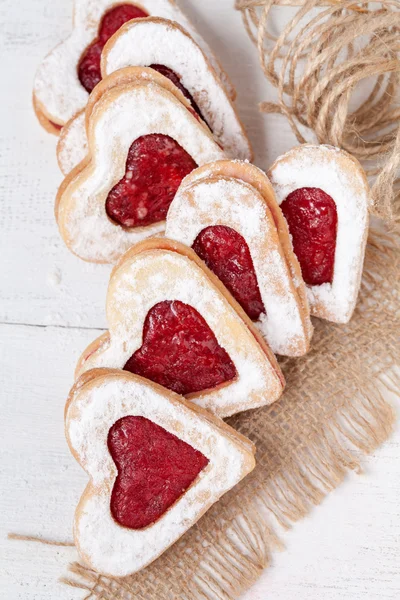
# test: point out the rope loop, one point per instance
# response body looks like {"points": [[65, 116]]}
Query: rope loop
{"points": [[317, 63]]}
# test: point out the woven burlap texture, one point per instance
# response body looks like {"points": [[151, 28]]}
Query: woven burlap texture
{"points": [[331, 414]]}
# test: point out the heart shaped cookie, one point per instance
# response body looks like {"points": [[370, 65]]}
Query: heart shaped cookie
{"points": [[167, 47], [72, 146], [324, 195], [172, 321], [156, 464], [72, 69], [227, 212], [142, 142]]}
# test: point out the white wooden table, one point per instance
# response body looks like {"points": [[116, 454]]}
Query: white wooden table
{"points": [[52, 305]]}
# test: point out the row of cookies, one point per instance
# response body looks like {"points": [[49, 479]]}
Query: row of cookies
{"points": [[164, 42], [176, 459], [174, 327], [199, 313]]}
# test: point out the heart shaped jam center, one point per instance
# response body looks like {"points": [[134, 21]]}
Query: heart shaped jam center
{"points": [[180, 351], [226, 253], [155, 468], [89, 73], [312, 219], [155, 167]]}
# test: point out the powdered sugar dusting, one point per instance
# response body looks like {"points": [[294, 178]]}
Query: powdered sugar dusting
{"points": [[231, 202], [334, 172], [57, 87], [116, 550], [82, 217], [255, 177], [142, 43], [158, 275], [72, 147]]}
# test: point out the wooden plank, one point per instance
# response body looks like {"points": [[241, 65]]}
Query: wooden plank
{"points": [[40, 482]]}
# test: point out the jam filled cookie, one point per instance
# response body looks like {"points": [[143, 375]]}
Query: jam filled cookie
{"points": [[324, 195], [173, 322], [156, 464], [72, 146], [147, 42], [228, 214], [142, 142], [67, 75], [169, 49]]}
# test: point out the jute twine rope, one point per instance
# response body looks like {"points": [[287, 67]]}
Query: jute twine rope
{"points": [[318, 62]]}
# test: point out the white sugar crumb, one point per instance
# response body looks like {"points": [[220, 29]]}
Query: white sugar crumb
{"points": [[233, 203], [54, 277], [159, 275], [337, 175], [56, 84], [110, 547], [92, 235]]}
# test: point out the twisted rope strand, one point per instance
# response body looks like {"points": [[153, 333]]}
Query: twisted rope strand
{"points": [[317, 62]]}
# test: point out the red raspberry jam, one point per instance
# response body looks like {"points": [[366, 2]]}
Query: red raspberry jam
{"points": [[312, 219], [226, 253], [155, 167], [180, 351], [89, 72], [89, 66], [155, 468]]}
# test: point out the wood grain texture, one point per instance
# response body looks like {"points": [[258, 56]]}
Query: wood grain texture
{"points": [[52, 306], [40, 482]]}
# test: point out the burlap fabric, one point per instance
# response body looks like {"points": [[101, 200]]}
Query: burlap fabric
{"points": [[331, 414]]}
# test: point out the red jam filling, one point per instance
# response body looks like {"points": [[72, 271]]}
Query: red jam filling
{"points": [[155, 468], [312, 219], [89, 72], [180, 351], [155, 167], [89, 66], [226, 253], [176, 80]]}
